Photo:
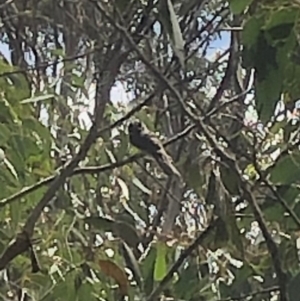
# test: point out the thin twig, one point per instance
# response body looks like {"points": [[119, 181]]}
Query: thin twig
{"points": [[20, 244], [89, 169], [184, 255], [47, 64], [271, 245], [253, 294]]}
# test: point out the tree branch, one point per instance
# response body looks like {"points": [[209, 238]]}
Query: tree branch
{"points": [[184, 255], [245, 189], [89, 169], [22, 243]]}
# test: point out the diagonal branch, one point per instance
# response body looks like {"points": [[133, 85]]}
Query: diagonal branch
{"points": [[249, 197], [184, 255], [89, 169], [271, 245], [22, 243]]}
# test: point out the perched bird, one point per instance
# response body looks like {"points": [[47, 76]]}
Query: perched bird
{"points": [[145, 140]]}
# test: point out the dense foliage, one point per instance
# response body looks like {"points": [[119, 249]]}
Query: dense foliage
{"points": [[85, 215]]}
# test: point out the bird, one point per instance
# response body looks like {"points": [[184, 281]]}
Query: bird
{"points": [[148, 142]]}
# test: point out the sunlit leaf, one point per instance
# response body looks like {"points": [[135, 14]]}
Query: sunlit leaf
{"points": [[141, 186], [77, 81], [124, 188], [160, 269], [38, 98], [58, 52], [10, 168], [110, 155]]}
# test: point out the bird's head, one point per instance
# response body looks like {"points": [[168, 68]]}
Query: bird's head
{"points": [[135, 127]]}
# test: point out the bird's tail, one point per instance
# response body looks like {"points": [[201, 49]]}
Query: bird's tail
{"points": [[166, 164]]}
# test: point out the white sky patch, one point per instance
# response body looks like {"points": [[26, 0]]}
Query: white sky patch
{"points": [[118, 95]]}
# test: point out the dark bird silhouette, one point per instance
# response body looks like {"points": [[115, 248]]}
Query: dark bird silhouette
{"points": [[148, 142]]}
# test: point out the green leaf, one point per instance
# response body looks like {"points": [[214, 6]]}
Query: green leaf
{"points": [[15, 215], [101, 223], [5, 132], [122, 150], [133, 264], [19, 150], [11, 168], [4, 67], [222, 235], [141, 186], [110, 155], [160, 269], [7, 113], [274, 211], [119, 228], [293, 288], [171, 25], [37, 98], [77, 81], [128, 233], [65, 289], [195, 180], [58, 52], [176, 34], [85, 292], [10, 181], [230, 180], [275, 128], [188, 282], [235, 236], [238, 6], [268, 93], [251, 31], [240, 283], [286, 170], [39, 132], [148, 266], [124, 188], [282, 16]]}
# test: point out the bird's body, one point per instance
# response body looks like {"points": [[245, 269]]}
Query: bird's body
{"points": [[143, 139], [148, 142]]}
